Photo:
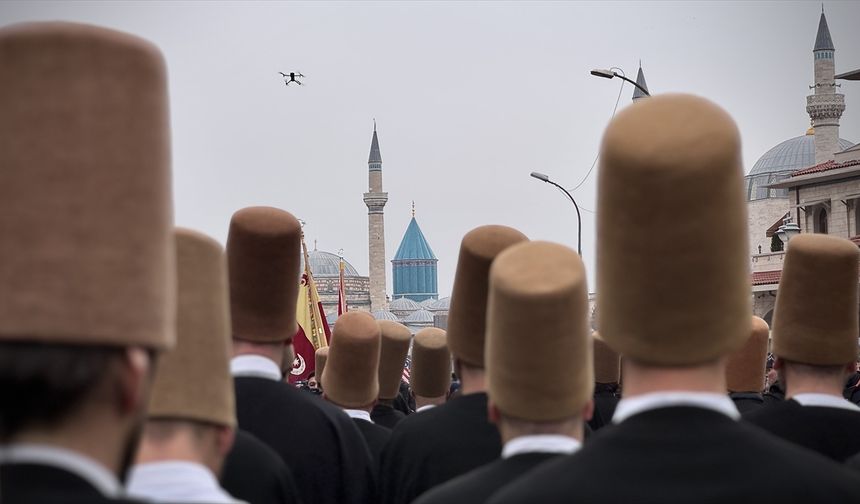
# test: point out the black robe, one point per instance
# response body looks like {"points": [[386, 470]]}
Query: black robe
{"points": [[852, 388], [773, 394], [254, 473], [476, 486], [386, 416], [747, 402], [833, 432], [43, 484], [318, 441], [376, 437], [433, 446], [684, 454], [605, 401]]}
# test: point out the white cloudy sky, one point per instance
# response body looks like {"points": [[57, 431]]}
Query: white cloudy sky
{"points": [[469, 98]]}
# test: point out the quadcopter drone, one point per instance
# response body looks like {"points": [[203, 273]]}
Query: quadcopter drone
{"points": [[291, 77]]}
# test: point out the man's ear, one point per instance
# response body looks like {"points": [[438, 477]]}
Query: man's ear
{"points": [[493, 413], [588, 410], [224, 440], [135, 379]]}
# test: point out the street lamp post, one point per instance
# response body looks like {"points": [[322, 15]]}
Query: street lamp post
{"points": [[545, 178], [609, 74], [788, 230]]}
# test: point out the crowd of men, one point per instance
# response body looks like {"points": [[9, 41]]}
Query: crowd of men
{"points": [[140, 362]]}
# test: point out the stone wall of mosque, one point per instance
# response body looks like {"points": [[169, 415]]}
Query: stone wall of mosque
{"points": [[836, 199], [357, 292], [762, 214]]}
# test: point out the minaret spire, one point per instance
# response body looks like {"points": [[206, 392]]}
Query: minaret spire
{"points": [[640, 79], [375, 199], [825, 105]]}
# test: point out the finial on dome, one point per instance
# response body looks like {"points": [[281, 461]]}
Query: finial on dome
{"points": [[413, 209], [810, 131]]}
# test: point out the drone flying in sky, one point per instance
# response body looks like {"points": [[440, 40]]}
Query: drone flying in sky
{"points": [[291, 77]]}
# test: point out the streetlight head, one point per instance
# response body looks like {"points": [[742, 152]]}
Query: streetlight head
{"points": [[540, 176], [606, 74]]}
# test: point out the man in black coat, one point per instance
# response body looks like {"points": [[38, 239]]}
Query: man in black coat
{"points": [[816, 347], [86, 300], [540, 416], [675, 436], [317, 441], [395, 339], [607, 373], [433, 446], [350, 377], [745, 369]]}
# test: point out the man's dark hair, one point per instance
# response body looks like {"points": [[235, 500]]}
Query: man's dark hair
{"points": [[41, 383]]}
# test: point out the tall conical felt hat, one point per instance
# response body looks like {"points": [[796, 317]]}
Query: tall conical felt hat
{"points": [[431, 363], [193, 381], [320, 358], [607, 362], [264, 258], [392, 357], [745, 367], [815, 320], [670, 177], [86, 217], [351, 371], [468, 312], [539, 365]]}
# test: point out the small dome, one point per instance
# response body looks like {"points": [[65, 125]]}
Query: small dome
{"points": [[419, 317], [779, 163], [427, 303], [443, 304], [385, 315], [403, 304], [326, 264]]}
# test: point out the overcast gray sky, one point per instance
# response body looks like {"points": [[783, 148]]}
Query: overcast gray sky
{"points": [[469, 98]]}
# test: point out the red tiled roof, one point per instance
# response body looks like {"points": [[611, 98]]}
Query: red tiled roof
{"points": [[826, 166], [766, 277]]}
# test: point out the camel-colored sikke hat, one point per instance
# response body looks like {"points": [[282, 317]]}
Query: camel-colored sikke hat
{"points": [[670, 174], [264, 260], [607, 362], [537, 318], [468, 312], [86, 218], [392, 357], [193, 380], [746, 366], [350, 379], [320, 358], [431, 363], [815, 318]]}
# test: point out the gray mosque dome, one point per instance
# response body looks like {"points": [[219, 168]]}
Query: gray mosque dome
{"points": [[443, 304], [385, 315], [419, 317], [326, 264], [403, 304], [780, 162]]}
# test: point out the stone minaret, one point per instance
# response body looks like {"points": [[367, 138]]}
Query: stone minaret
{"points": [[825, 106], [375, 200]]}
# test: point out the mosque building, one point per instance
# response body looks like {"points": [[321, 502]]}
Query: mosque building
{"points": [[415, 301], [810, 183]]}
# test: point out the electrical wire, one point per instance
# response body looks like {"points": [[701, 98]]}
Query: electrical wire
{"points": [[614, 109]]}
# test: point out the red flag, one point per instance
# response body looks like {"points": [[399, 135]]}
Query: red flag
{"points": [[313, 332]]}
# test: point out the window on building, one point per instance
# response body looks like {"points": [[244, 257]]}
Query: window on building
{"points": [[856, 204], [820, 225]]}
